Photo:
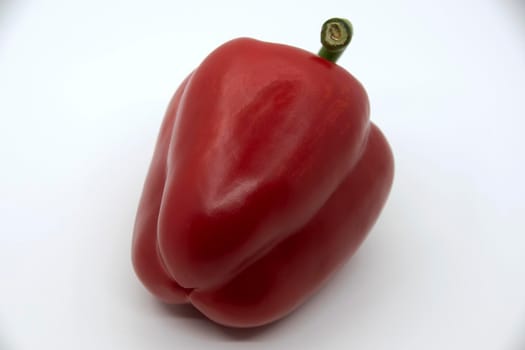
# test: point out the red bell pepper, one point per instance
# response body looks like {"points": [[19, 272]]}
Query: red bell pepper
{"points": [[266, 177]]}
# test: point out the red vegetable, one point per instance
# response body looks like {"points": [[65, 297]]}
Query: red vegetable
{"points": [[267, 175]]}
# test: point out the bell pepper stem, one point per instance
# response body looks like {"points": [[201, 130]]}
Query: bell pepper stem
{"points": [[336, 34]]}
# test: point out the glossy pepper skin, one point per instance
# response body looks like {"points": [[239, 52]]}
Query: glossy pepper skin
{"points": [[266, 177]]}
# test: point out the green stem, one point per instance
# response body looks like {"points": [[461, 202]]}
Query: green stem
{"points": [[336, 34]]}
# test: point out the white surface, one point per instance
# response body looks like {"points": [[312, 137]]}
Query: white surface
{"points": [[83, 88]]}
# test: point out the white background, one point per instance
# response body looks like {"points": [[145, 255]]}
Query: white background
{"points": [[83, 89]]}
